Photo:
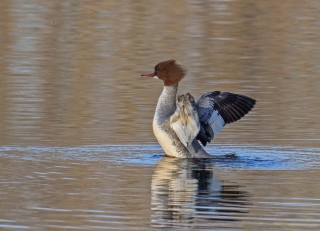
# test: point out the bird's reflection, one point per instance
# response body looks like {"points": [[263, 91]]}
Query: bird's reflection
{"points": [[185, 190]]}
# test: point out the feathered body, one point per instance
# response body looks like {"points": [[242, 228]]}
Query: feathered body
{"points": [[185, 120], [180, 124]]}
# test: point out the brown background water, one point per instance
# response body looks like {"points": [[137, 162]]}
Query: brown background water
{"points": [[76, 144]]}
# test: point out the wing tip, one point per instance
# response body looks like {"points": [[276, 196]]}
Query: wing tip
{"points": [[241, 106]]}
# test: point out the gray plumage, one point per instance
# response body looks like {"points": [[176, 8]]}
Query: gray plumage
{"points": [[185, 121]]}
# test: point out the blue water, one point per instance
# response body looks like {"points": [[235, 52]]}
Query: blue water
{"points": [[231, 155], [113, 187]]}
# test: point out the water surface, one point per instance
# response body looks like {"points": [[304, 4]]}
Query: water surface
{"points": [[76, 144], [133, 186]]}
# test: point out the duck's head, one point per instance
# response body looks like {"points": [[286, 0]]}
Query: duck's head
{"points": [[168, 71]]}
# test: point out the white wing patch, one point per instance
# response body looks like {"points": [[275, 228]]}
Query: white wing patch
{"points": [[216, 122], [185, 120]]}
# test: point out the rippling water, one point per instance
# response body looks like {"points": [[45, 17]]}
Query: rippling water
{"points": [[114, 186], [76, 144]]}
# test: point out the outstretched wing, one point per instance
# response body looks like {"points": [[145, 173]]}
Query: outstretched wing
{"points": [[215, 109]]}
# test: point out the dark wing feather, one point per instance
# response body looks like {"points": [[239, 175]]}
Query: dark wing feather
{"points": [[215, 109], [233, 107]]}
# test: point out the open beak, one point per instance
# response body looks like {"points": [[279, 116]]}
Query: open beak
{"points": [[148, 74]]}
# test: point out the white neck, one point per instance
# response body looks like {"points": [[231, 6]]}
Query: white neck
{"points": [[166, 105]]}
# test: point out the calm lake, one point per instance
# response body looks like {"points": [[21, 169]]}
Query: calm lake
{"points": [[77, 150]]}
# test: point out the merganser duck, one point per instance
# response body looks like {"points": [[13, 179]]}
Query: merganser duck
{"points": [[180, 125]]}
